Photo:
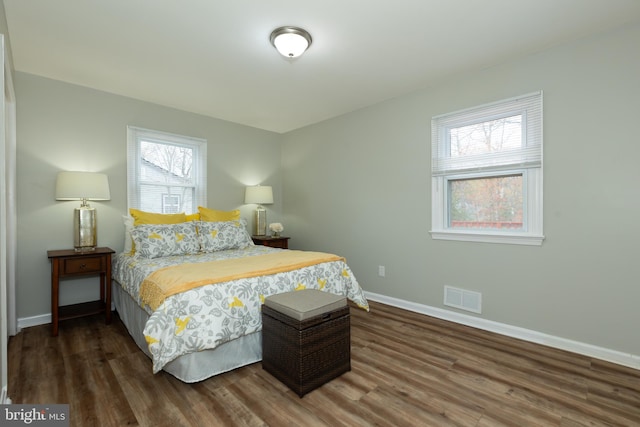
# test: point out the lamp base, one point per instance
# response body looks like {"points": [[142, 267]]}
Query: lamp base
{"points": [[85, 234], [260, 222]]}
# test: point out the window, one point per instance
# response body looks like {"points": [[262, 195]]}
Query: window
{"points": [[166, 173], [171, 203], [486, 165]]}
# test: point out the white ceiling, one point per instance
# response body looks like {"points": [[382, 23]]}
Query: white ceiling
{"points": [[213, 57]]}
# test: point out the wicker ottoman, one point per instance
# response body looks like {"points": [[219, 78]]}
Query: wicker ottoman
{"points": [[306, 338]]}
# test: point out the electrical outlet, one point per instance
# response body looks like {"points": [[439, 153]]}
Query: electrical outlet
{"points": [[381, 271]]}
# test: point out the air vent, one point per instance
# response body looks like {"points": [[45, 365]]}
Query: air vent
{"points": [[463, 299]]}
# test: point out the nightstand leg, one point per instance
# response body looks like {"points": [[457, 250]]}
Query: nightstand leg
{"points": [[108, 290], [55, 286], [102, 288], [105, 295]]}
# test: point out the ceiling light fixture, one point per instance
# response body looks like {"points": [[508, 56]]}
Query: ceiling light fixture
{"points": [[291, 42]]}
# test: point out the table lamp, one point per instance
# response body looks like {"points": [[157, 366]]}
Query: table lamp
{"points": [[83, 186], [260, 195]]}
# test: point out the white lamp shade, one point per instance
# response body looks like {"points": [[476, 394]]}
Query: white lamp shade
{"points": [[82, 185], [259, 194]]}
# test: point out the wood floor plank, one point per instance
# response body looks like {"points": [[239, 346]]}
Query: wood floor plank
{"points": [[95, 391], [437, 392], [334, 405], [228, 410], [152, 398], [407, 369], [276, 407]]}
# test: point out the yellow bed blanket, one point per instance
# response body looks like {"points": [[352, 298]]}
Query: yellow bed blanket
{"points": [[175, 279]]}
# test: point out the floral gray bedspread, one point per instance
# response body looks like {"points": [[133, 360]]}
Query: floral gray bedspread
{"points": [[210, 315]]}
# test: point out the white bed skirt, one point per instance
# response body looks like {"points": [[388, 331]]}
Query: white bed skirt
{"points": [[191, 367]]}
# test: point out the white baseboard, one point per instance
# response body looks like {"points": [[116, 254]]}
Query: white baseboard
{"points": [[625, 359], [27, 322], [4, 399], [41, 319]]}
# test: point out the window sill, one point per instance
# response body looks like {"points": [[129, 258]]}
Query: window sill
{"points": [[488, 237]]}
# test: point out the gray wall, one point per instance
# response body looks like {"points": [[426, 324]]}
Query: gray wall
{"points": [[359, 185], [68, 127]]}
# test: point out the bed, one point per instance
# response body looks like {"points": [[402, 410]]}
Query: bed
{"points": [[190, 294]]}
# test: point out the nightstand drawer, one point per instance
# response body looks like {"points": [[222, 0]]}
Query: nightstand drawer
{"points": [[274, 242], [82, 265], [281, 243]]}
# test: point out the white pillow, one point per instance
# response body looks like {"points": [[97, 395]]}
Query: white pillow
{"points": [[128, 240]]}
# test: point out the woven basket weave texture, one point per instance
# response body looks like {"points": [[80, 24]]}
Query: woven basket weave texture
{"points": [[306, 354]]}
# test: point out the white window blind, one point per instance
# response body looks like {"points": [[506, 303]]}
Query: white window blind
{"points": [[527, 154]]}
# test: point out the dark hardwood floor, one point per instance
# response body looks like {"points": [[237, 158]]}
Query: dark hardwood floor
{"points": [[407, 370]]}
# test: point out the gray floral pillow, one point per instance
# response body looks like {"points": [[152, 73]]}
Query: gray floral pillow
{"points": [[158, 240], [223, 235]]}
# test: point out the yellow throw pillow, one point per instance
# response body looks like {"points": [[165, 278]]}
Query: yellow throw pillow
{"points": [[207, 214], [142, 217], [193, 217]]}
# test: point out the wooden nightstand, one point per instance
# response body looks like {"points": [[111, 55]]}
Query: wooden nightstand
{"points": [[274, 242], [69, 263]]}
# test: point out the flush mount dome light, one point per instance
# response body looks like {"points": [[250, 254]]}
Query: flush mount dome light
{"points": [[290, 41]]}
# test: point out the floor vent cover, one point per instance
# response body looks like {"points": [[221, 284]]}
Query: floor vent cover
{"points": [[463, 299]]}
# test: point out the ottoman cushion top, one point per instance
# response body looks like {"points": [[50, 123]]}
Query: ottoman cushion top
{"points": [[305, 304]]}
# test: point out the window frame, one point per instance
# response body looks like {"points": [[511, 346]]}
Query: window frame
{"points": [[135, 135], [532, 174]]}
